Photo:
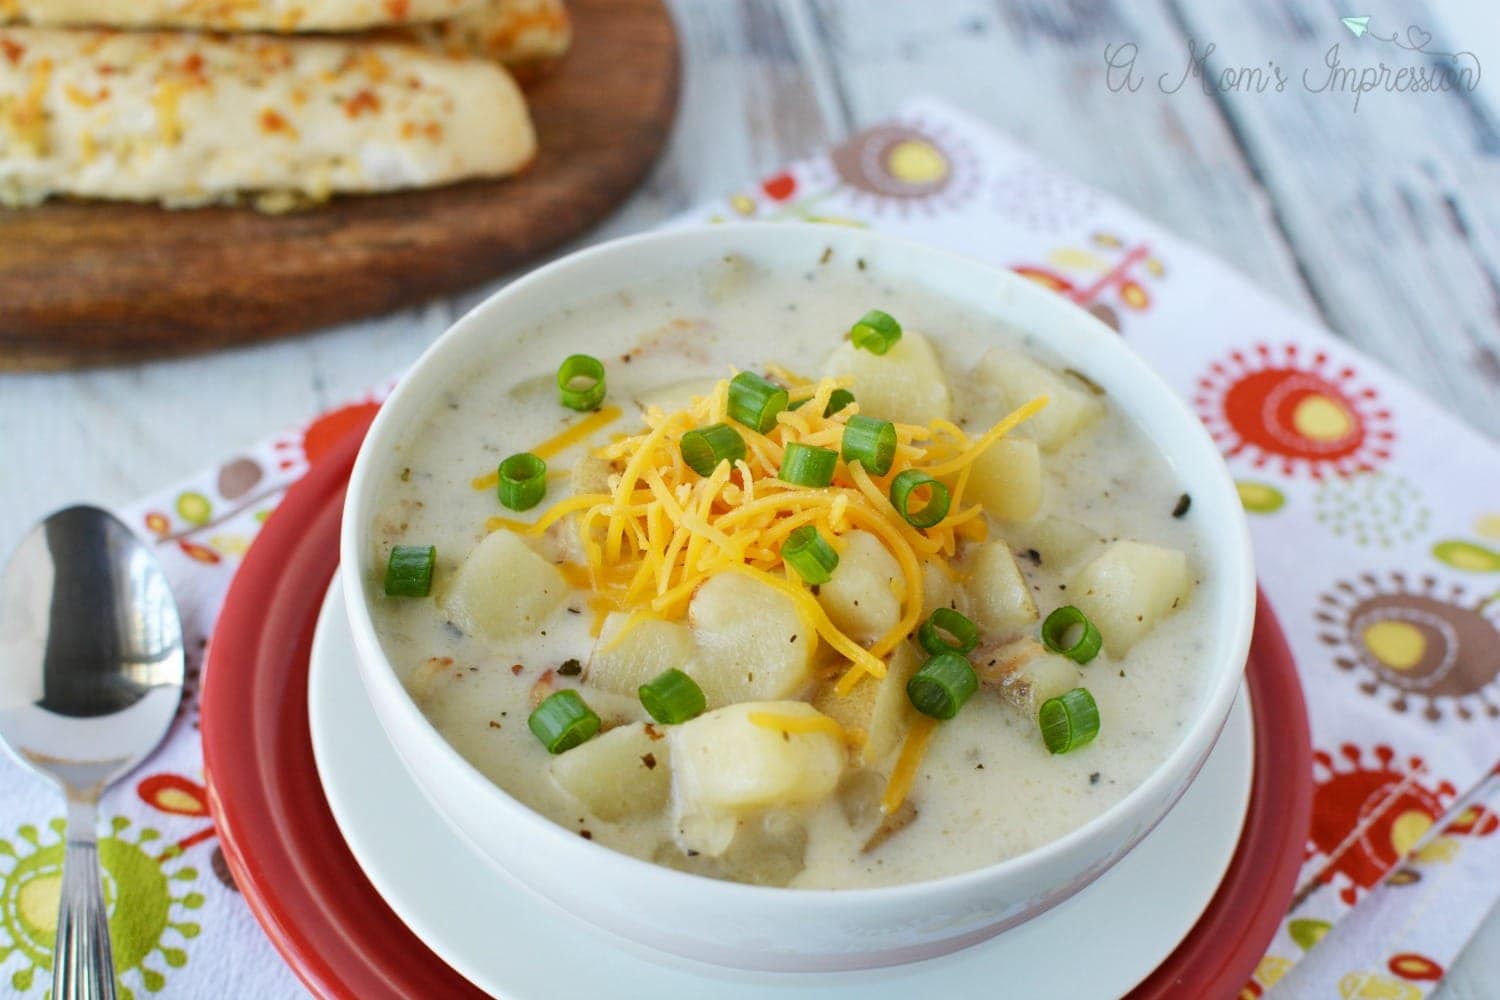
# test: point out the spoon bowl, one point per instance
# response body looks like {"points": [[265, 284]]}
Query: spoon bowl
{"points": [[91, 675]]}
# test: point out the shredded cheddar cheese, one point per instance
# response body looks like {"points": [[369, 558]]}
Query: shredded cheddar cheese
{"points": [[662, 529], [799, 724], [1004, 427], [602, 417], [905, 772]]}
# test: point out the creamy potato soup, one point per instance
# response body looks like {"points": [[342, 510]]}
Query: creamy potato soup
{"points": [[813, 580]]}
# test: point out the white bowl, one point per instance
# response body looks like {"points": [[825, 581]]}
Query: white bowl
{"points": [[796, 929]]}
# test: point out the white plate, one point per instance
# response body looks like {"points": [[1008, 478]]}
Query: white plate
{"points": [[511, 943]]}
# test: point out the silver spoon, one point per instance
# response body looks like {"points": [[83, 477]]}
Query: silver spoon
{"points": [[91, 672]]}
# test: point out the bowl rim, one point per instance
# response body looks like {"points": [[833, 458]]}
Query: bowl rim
{"points": [[1231, 541]]}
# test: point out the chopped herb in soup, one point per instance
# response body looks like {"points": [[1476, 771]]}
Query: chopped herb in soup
{"points": [[816, 582]]}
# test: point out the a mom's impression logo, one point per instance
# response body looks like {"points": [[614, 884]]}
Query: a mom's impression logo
{"points": [[1415, 66]]}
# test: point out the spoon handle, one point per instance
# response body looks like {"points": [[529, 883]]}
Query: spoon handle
{"points": [[83, 967]]}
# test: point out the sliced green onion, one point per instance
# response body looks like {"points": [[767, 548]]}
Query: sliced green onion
{"points": [[947, 631], [875, 332], [837, 400], [755, 401], [806, 552], [1069, 721], [523, 481], [1055, 634], [704, 448], [563, 721], [907, 483], [576, 368], [804, 465], [409, 573], [871, 443], [942, 686], [673, 697]]}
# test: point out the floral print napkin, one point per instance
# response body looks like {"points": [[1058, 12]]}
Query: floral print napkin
{"points": [[1376, 521]]}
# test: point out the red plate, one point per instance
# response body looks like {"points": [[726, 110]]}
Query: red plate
{"points": [[280, 840], [339, 936]]}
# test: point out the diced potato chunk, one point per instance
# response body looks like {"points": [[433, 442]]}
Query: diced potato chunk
{"points": [[863, 597], [1017, 379], [707, 833], [622, 773], [1059, 543], [1007, 479], [650, 648], [1027, 673], [1128, 588], [859, 795], [878, 707], [751, 642], [590, 474], [940, 590], [723, 762], [769, 848], [998, 594], [503, 589], [905, 384]]}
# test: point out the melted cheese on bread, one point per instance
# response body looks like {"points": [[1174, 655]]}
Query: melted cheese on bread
{"points": [[192, 119], [527, 36], [234, 15]]}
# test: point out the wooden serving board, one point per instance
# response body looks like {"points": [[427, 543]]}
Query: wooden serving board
{"points": [[83, 283]]}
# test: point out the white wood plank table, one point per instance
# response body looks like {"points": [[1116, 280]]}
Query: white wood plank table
{"points": [[1384, 224]]}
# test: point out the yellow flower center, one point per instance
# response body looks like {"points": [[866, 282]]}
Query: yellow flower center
{"points": [[1397, 645], [916, 162], [1322, 419]]}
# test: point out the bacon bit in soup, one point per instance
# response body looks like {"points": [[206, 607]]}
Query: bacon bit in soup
{"points": [[516, 668], [570, 668], [649, 760]]}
